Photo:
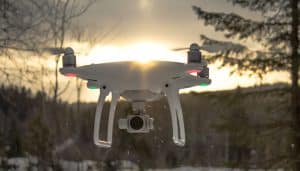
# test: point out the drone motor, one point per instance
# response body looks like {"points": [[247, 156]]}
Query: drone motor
{"points": [[194, 54], [69, 58]]}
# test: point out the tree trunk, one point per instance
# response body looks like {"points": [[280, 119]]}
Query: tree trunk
{"points": [[56, 79], [295, 96], [59, 36], [78, 87]]}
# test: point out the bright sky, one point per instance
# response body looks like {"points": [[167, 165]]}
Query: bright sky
{"points": [[146, 29]]}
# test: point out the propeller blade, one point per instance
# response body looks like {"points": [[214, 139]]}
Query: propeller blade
{"points": [[209, 49], [180, 49], [54, 51], [193, 46], [58, 51]]}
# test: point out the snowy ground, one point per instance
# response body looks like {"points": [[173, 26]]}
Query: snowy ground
{"points": [[206, 169], [24, 164]]}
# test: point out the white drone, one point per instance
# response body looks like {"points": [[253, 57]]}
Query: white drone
{"points": [[139, 84]]}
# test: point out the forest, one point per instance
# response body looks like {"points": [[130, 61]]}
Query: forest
{"points": [[215, 135]]}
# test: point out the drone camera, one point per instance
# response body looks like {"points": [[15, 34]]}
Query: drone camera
{"points": [[136, 123]]}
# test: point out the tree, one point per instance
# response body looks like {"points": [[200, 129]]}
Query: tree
{"points": [[238, 137], [15, 145], [31, 26], [22, 24], [38, 139], [23, 27], [278, 32], [61, 16]]}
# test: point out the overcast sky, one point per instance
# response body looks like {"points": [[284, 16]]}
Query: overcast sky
{"points": [[169, 22]]}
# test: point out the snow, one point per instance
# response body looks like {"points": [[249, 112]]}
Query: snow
{"points": [[207, 169], [18, 164], [23, 164]]}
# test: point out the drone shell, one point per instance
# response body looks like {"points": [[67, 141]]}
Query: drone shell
{"points": [[140, 83]]}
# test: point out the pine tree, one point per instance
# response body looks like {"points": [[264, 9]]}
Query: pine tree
{"points": [[38, 139], [238, 137], [16, 144], [278, 32]]}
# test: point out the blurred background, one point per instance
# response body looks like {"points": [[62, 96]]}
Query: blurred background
{"points": [[248, 118]]}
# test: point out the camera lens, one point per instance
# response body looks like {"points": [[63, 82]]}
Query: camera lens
{"points": [[136, 122]]}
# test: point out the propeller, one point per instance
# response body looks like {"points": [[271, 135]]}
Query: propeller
{"points": [[58, 51], [180, 49], [54, 51], [212, 46], [193, 46]]}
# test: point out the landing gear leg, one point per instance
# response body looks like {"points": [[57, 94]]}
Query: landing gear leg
{"points": [[176, 115], [115, 97]]}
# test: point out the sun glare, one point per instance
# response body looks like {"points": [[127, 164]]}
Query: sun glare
{"points": [[141, 52], [143, 61]]}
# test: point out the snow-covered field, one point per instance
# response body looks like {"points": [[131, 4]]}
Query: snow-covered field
{"points": [[207, 169], [24, 164]]}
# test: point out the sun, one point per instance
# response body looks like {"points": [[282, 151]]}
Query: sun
{"points": [[145, 4], [143, 61], [143, 53]]}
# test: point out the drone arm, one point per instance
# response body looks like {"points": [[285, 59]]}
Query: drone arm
{"points": [[101, 100], [190, 81], [176, 115]]}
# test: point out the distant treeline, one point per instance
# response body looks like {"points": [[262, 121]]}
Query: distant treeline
{"points": [[244, 128]]}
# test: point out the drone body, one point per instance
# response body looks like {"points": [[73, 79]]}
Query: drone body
{"points": [[140, 83]]}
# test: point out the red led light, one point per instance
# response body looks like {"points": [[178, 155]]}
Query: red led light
{"points": [[193, 71], [70, 75]]}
